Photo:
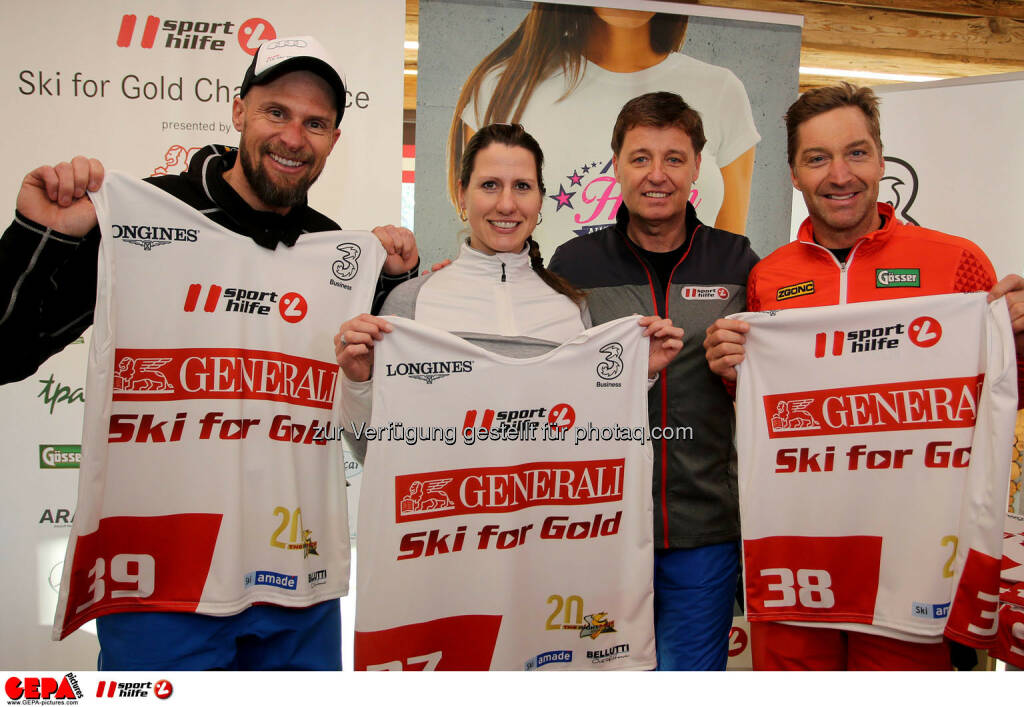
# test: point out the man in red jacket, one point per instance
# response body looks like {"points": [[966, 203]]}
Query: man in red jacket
{"points": [[850, 249]]}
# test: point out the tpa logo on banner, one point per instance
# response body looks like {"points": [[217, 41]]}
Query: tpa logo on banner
{"points": [[194, 34]]}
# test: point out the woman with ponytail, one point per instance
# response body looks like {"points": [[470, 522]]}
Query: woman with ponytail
{"points": [[497, 293]]}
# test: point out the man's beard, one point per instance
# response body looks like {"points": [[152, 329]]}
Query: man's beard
{"points": [[270, 192]]}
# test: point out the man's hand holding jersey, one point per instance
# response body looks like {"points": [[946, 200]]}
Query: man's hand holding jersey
{"points": [[54, 196]]}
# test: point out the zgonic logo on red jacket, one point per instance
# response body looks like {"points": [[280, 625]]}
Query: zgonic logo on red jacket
{"points": [[911, 405], [502, 489], [211, 374]]}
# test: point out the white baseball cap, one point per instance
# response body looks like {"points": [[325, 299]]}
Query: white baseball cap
{"points": [[279, 56]]}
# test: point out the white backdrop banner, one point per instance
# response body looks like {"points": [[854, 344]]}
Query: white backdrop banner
{"points": [[142, 87]]}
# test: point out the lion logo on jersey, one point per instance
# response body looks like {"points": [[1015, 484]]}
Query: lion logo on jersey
{"points": [[141, 375], [426, 496], [793, 415]]}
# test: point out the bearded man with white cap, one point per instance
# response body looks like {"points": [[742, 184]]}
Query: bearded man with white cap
{"points": [[289, 107]]}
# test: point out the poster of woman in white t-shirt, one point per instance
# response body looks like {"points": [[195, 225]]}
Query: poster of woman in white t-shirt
{"points": [[565, 73]]}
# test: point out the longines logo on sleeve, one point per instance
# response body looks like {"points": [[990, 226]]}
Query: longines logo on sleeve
{"points": [[429, 371], [149, 236]]}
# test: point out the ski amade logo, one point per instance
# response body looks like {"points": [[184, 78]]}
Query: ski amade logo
{"points": [[43, 690], [923, 332], [193, 34]]}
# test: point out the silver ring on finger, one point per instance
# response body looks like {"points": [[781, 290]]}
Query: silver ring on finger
{"points": [[343, 342]]}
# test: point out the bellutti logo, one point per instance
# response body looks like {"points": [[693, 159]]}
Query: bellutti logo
{"points": [[193, 34], [704, 292], [292, 306], [907, 405], [347, 265], [50, 691], [148, 237], [605, 655], [60, 456], [428, 371]]}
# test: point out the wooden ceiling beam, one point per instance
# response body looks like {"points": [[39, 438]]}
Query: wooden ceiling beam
{"points": [[858, 29]]}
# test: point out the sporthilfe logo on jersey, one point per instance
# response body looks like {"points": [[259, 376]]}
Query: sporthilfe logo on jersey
{"points": [[522, 423], [194, 374], [291, 306], [429, 371], [501, 489], [148, 236], [909, 405], [923, 332]]}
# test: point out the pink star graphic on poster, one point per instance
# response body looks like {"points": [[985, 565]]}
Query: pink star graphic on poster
{"points": [[563, 198], [575, 178]]}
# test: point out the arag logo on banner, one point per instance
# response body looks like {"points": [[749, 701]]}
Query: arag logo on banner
{"points": [[193, 34]]}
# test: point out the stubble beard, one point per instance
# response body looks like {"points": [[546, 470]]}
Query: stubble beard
{"points": [[266, 189]]}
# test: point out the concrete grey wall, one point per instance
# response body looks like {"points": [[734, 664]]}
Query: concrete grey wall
{"points": [[456, 34]]}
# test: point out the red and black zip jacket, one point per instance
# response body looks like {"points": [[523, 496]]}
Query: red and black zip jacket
{"points": [[695, 499]]}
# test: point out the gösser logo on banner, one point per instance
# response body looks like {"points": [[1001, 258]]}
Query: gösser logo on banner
{"points": [[195, 34]]}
